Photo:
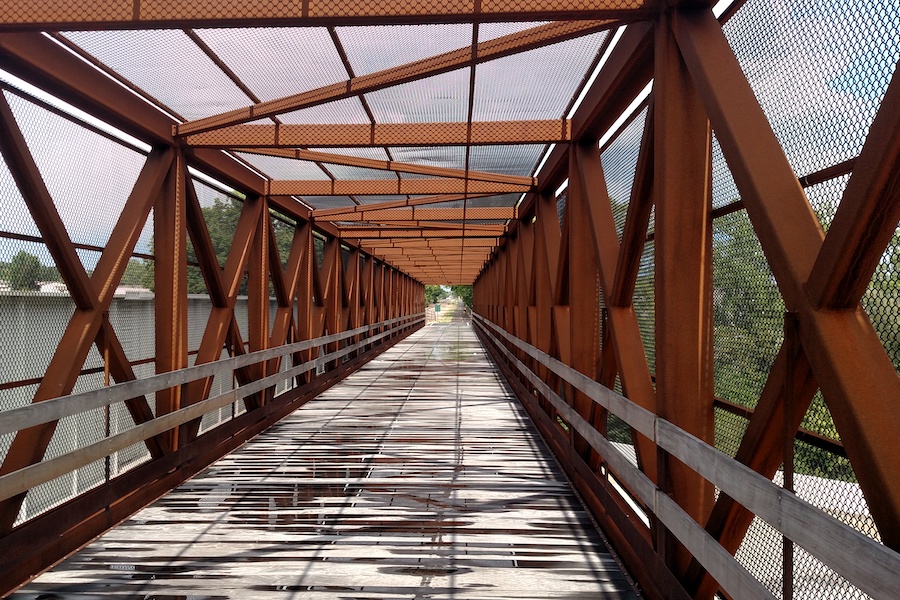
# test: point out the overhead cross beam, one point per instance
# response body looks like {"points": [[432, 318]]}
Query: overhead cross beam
{"points": [[427, 214], [138, 14], [506, 45], [384, 233], [389, 165], [321, 213], [355, 135], [380, 187]]}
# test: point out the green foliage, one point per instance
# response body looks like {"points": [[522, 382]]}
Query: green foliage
{"points": [[434, 294], [221, 220], [24, 271], [749, 330], [463, 292], [136, 272], [748, 314]]}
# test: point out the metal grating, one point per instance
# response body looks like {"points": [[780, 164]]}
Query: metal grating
{"points": [[375, 48], [724, 190], [645, 303], [538, 84], [159, 62], [819, 90], [748, 312], [619, 160]]}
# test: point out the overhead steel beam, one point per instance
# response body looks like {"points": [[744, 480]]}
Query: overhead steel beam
{"points": [[427, 214], [506, 45], [387, 165], [449, 225], [349, 210], [354, 135], [374, 246], [381, 187], [362, 234], [141, 14]]}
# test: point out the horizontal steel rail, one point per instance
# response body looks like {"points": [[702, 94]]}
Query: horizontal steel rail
{"points": [[870, 566]]}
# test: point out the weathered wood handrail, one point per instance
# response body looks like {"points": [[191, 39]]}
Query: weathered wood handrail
{"points": [[868, 565], [24, 479], [23, 417]]}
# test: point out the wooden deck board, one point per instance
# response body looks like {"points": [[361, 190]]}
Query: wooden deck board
{"points": [[417, 477]]}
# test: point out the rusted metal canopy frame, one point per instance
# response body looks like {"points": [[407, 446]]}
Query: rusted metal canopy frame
{"points": [[44, 64], [363, 208], [92, 295], [847, 358], [501, 213], [137, 14], [292, 138], [387, 165], [442, 63], [379, 187]]}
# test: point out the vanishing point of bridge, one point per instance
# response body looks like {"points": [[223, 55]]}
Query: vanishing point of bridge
{"points": [[674, 223]]}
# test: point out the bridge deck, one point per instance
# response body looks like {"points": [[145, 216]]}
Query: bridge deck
{"points": [[417, 477]]}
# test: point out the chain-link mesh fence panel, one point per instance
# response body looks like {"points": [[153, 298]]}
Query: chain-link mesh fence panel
{"points": [[645, 303], [748, 312], [729, 430], [619, 160], [761, 553], [819, 70]]}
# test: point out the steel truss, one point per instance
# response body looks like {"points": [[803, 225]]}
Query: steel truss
{"points": [[554, 301]]}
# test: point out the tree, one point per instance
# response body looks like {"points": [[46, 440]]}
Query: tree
{"points": [[24, 271], [221, 221], [463, 292], [135, 272], [434, 294]]}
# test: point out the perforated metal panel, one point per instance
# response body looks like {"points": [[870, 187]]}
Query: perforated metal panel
{"points": [[538, 84], [509, 160], [619, 161], [439, 99], [276, 167], [75, 166], [371, 49], [275, 61], [167, 65], [819, 70]]}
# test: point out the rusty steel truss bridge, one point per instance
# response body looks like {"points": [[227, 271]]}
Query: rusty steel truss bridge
{"points": [[679, 220]]}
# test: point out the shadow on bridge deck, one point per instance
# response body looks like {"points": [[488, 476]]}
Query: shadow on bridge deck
{"points": [[419, 476]]}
